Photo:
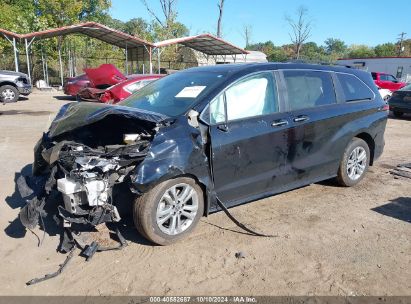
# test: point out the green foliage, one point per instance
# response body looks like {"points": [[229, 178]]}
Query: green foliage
{"points": [[386, 50], [360, 51], [335, 46]]}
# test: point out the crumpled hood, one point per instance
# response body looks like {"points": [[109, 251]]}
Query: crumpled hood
{"points": [[75, 115], [105, 74]]}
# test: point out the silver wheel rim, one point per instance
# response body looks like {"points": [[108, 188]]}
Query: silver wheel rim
{"points": [[356, 163], [8, 94], [177, 209]]}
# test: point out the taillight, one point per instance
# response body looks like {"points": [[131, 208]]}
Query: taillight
{"points": [[106, 97], [385, 108]]}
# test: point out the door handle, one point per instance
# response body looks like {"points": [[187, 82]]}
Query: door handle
{"points": [[301, 118], [279, 123]]}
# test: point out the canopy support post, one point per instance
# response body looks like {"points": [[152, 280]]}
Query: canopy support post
{"points": [[15, 50], [28, 57], [61, 65], [150, 58], [126, 59]]}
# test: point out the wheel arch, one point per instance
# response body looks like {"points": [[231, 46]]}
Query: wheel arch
{"points": [[3, 83], [370, 142]]}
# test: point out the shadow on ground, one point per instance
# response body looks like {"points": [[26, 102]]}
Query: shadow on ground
{"points": [[65, 97], [49, 224], [28, 113], [399, 208]]}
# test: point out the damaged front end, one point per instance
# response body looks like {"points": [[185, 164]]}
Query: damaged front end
{"points": [[78, 163]]}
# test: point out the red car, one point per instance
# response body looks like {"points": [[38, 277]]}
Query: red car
{"points": [[124, 89], [387, 81], [102, 77], [118, 92], [75, 84]]}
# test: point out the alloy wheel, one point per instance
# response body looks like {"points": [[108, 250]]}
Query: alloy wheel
{"points": [[177, 209], [356, 164]]}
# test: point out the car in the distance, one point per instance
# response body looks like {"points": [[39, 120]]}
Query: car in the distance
{"points": [[194, 140], [124, 89], [102, 77], [387, 81], [12, 85], [385, 93], [400, 101], [74, 84]]}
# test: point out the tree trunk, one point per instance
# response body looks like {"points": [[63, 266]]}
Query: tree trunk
{"points": [[220, 17]]}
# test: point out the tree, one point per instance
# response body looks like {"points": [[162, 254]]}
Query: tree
{"points": [[138, 27], [360, 51], [247, 32], [169, 10], [386, 50], [301, 29], [220, 17], [335, 46], [265, 47]]}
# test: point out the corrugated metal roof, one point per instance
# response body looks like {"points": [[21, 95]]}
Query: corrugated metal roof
{"points": [[205, 43]]}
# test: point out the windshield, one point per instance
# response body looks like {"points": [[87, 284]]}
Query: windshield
{"points": [[175, 94]]}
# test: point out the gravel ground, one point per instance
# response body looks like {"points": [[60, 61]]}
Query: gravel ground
{"points": [[330, 240]]}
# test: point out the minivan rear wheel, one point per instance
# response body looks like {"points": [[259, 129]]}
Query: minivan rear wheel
{"points": [[354, 163], [169, 211]]}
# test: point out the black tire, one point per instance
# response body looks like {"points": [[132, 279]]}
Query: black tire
{"points": [[343, 177], [8, 93], [398, 114], [146, 206]]}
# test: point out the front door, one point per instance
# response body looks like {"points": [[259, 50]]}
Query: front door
{"points": [[248, 140]]}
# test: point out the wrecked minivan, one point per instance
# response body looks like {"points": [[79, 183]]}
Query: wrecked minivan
{"points": [[208, 138]]}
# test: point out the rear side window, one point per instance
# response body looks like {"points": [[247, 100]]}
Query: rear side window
{"points": [[374, 75], [354, 89], [308, 89]]}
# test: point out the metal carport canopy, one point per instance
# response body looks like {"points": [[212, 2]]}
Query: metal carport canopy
{"points": [[94, 30], [205, 43]]}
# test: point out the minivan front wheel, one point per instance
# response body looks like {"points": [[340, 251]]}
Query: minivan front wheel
{"points": [[354, 163], [169, 211]]}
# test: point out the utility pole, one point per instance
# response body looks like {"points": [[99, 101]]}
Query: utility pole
{"points": [[400, 41]]}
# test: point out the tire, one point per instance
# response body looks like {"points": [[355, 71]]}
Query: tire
{"points": [[353, 166], [398, 114], [153, 219], [8, 93]]}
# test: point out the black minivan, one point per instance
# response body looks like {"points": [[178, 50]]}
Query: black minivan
{"points": [[226, 133]]}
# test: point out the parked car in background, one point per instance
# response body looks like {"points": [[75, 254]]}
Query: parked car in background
{"points": [[124, 89], [118, 92], [385, 93], [400, 101], [12, 85], [102, 77], [202, 137], [387, 81], [74, 84]]}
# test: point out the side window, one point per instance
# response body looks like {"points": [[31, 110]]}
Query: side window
{"points": [[374, 75], [308, 89], [391, 78], [383, 77], [354, 89], [250, 97]]}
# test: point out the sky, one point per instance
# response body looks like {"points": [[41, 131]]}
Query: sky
{"points": [[369, 22]]}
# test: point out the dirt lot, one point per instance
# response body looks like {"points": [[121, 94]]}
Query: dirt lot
{"points": [[331, 240]]}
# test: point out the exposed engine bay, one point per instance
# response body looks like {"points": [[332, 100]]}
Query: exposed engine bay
{"points": [[85, 177]]}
